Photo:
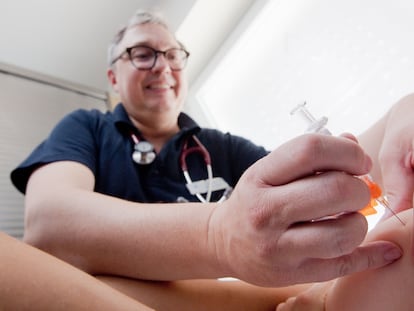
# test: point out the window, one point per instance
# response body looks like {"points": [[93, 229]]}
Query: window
{"points": [[349, 60]]}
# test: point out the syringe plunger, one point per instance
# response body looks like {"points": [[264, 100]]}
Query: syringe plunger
{"points": [[314, 125]]}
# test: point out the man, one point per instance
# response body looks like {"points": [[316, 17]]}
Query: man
{"points": [[90, 204]]}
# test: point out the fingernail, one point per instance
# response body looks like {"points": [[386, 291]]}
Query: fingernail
{"points": [[392, 254]]}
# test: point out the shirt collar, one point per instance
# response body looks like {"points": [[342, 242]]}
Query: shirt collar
{"points": [[124, 124]]}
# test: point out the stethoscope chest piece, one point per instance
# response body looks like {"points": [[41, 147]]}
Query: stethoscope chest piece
{"points": [[143, 153]]}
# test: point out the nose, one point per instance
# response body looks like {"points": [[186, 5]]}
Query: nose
{"points": [[161, 63]]}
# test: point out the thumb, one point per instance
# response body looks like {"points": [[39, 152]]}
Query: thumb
{"points": [[372, 255], [369, 256]]}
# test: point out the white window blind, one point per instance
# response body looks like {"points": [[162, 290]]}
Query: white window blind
{"points": [[31, 104]]}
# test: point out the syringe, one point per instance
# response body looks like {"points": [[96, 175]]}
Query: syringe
{"points": [[318, 126]]}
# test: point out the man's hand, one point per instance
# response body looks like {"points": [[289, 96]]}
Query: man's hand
{"points": [[277, 227]]}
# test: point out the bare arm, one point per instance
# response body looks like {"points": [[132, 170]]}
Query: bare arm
{"points": [[203, 295], [387, 288], [390, 142], [103, 234], [34, 280], [263, 234]]}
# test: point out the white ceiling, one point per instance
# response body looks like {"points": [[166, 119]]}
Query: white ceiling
{"points": [[68, 39]]}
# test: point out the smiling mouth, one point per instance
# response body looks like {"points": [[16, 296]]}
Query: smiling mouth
{"points": [[159, 87]]}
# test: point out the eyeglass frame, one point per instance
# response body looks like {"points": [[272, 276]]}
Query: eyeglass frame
{"points": [[156, 52]]}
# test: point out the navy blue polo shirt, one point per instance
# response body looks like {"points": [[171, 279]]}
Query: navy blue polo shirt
{"points": [[103, 143]]}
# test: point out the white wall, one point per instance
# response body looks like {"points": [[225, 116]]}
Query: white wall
{"points": [[68, 39], [29, 110]]}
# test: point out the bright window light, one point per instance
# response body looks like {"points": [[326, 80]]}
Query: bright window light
{"points": [[349, 60]]}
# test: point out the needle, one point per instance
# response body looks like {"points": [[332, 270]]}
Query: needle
{"points": [[384, 202], [318, 126]]}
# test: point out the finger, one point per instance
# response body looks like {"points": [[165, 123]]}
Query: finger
{"points": [[325, 239], [288, 305], [312, 299], [349, 136], [311, 153], [308, 302], [370, 256], [281, 307], [315, 296], [319, 196]]}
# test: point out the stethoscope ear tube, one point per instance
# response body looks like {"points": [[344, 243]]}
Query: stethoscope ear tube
{"points": [[199, 148]]}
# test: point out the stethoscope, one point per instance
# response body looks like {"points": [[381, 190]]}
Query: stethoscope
{"points": [[144, 154]]}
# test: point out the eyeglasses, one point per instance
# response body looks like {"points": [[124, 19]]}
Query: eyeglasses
{"points": [[144, 57]]}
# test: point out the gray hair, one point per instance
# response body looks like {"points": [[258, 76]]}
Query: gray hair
{"points": [[139, 18]]}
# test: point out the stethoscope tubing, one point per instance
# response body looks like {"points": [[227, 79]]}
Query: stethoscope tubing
{"points": [[199, 148]]}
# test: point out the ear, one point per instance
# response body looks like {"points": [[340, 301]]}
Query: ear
{"points": [[110, 73]]}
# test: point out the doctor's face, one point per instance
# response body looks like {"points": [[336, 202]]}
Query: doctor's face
{"points": [[149, 94]]}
